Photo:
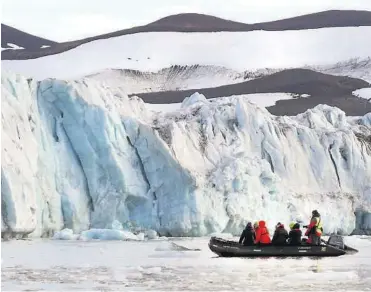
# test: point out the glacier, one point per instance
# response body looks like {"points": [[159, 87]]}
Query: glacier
{"points": [[80, 155]]}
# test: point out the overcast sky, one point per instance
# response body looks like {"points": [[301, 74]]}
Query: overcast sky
{"points": [[63, 20]]}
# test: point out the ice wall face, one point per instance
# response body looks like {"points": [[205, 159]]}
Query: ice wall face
{"points": [[30, 201], [66, 160], [80, 155], [112, 172], [249, 164]]}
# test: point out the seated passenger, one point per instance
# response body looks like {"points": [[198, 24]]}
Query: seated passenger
{"points": [[248, 235], [295, 234], [280, 235], [262, 234]]}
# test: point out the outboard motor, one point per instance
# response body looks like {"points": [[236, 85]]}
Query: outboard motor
{"points": [[336, 241]]}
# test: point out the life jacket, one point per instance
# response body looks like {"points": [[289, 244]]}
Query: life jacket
{"points": [[317, 228]]}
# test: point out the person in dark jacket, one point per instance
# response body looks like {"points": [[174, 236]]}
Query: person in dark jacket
{"points": [[295, 234], [280, 235], [248, 235]]}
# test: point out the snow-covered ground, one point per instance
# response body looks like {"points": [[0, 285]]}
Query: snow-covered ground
{"points": [[168, 107], [160, 266], [363, 93], [264, 99], [234, 50]]}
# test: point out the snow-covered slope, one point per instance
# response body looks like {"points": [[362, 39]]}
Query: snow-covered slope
{"points": [[197, 77], [78, 155], [173, 78], [234, 50], [355, 68]]}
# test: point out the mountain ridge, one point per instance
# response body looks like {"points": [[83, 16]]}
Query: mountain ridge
{"points": [[22, 39], [195, 22]]}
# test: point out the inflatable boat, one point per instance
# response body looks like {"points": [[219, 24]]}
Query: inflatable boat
{"points": [[332, 248]]}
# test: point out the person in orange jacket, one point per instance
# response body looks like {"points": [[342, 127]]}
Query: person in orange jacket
{"points": [[262, 234]]}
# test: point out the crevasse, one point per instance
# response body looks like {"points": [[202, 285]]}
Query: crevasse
{"points": [[80, 155]]}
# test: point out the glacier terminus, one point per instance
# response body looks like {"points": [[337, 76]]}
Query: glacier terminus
{"points": [[81, 155]]}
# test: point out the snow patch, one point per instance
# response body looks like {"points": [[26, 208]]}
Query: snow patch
{"points": [[14, 47], [265, 99], [363, 93], [169, 107]]}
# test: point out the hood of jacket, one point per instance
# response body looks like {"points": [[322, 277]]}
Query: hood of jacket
{"points": [[280, 226], [262, 224]]}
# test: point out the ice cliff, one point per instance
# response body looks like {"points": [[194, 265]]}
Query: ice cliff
{"points": [[80, 155]]}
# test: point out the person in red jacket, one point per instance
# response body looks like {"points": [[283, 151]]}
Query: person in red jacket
{"points": [[262, 234]]}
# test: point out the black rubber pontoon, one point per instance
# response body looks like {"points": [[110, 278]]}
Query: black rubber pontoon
{"points": [[226, 248]]}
